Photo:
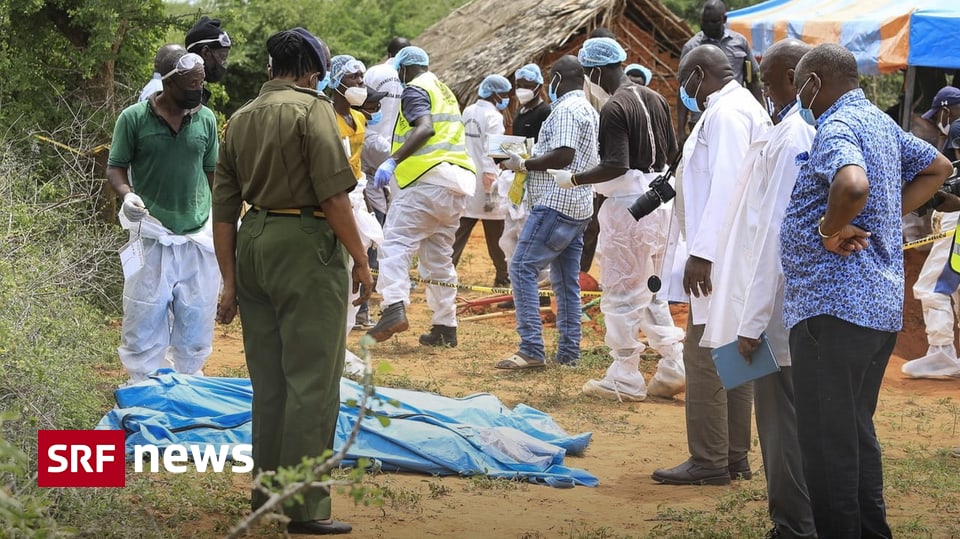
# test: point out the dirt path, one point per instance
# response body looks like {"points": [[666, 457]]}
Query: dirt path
{"points": [[629, 442]]}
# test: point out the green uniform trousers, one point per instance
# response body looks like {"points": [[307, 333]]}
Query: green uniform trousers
{"points": [[292, 291]]}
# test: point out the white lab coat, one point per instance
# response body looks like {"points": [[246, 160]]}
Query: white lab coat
{"points": [[480, 121], [712, 157], [749, 284]]}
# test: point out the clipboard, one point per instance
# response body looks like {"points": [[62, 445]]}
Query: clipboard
{"points": [[734, 370]]}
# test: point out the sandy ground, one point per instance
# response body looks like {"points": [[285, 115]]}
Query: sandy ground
{"points": [[629, 440]]}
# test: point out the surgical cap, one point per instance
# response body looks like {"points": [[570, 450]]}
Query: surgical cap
{"points": [[601, 51], [647, 74], [493, 84], [411, 56], [530, 72], [344, 64]]}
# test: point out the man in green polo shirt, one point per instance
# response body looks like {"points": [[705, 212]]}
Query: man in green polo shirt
{"points": [[161, 162]]}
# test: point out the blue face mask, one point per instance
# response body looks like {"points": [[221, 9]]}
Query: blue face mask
{"points": [[551, 91], [375, 118], [503, 104], [690, 101], [323, 83], [805, 112]]}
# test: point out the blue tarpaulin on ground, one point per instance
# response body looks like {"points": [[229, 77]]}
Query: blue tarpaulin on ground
{"points": [[428, 433]]}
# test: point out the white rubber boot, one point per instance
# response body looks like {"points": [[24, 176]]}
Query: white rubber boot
{"points": [[940, 362], [670, 379]]}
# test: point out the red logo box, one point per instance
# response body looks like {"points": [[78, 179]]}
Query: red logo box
{"points": [[81, 458]]}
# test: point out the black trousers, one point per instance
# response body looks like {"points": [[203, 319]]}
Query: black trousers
{"points": [[837, 371]]}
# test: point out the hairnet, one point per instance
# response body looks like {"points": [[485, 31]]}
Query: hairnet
{"points": [[647, 74], [411, 56], [493, 84], [343, 64], [601, 51], [530, 72]]}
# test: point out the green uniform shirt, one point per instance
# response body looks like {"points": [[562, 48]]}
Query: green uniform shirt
{"points": [[282, 150], [168, 169]]}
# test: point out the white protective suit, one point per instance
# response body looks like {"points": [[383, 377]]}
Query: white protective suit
{"points": [[748, 297], [170, 302], [423, 221], [370, 234], [480, 120], [709, 170], [630, 252], [381, 78], [938, 314]]}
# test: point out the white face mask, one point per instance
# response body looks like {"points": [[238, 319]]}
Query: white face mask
{"points": [[356, 95], [525, 95]]}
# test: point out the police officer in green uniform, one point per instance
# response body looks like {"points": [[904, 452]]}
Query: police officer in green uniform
{"points": [[287, 264]]}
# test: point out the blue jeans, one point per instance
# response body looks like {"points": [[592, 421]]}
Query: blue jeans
{"points": [[548, 238], [837, 371]]}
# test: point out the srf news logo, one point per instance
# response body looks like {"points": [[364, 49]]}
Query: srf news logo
{"points": [[80, 458], [95, 458]]}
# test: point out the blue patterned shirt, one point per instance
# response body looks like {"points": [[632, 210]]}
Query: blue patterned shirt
{"points": [[865, 288]]}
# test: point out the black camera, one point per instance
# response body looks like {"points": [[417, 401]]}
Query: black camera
{"points": [[660, 192], [950, 185]]}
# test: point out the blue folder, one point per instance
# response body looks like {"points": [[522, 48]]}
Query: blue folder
{"points": [[733, 368]]}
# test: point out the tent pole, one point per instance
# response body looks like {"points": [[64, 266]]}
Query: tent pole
{"points": [[909, 80]]}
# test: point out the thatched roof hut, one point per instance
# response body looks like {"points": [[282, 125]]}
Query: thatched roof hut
{"points": [[494, 36]]}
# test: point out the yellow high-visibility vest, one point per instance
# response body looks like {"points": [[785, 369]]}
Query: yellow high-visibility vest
{"points": [[955, 251], [447, 145]]}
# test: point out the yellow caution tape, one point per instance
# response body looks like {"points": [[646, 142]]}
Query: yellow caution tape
{"points": [[96, 149], [929, 239]]}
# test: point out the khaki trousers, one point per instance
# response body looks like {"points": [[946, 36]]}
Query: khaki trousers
{"points": [[718, 421]]}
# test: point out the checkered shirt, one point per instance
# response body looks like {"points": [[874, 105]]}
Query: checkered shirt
{"points": [[572, 123]]}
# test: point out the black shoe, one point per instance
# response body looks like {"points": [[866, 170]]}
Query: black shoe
{"points": [[392, 320], [773, 533], [440, 336], [501, 282], [689, 473], [315, 527], [740, 470]]}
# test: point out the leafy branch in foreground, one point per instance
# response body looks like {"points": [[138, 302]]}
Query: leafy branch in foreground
{"points": [[314, 472]]}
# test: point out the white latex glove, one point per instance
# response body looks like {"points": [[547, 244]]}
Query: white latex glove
{"points": [[563, 178], [514, 162], [133, 207]]}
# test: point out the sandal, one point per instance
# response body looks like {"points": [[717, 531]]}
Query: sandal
{"points": [[517, 362]]}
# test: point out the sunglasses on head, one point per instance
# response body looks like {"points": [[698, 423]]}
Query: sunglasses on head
{"points": [[223, 39], [186, 63]]}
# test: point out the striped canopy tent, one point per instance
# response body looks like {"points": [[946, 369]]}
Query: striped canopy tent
{"points": [[884, 35]]}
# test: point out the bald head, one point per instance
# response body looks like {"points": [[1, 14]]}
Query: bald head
{"points": [[777, 70], [703, 71], [710, 58], [569, 72], [167, 57], [824, 74], [786, 53]]}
